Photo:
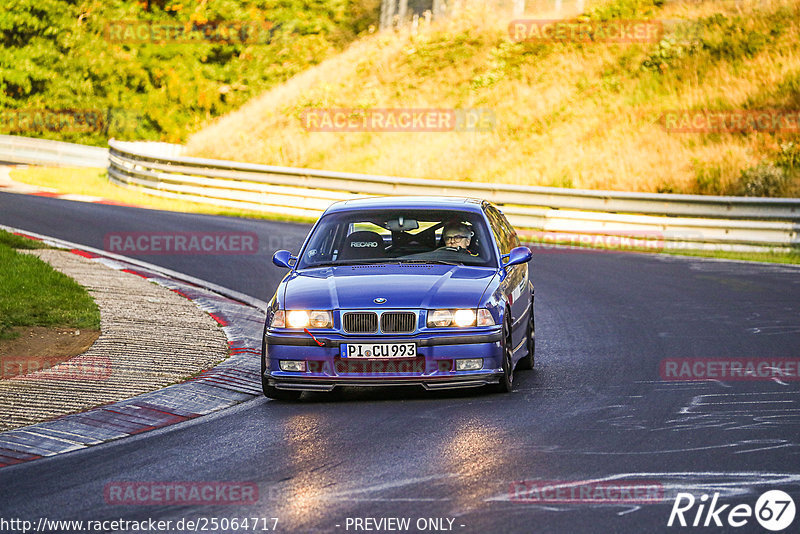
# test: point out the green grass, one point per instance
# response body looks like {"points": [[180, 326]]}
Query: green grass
{"points": [[34, 294], [768, 257], [14, 241]]}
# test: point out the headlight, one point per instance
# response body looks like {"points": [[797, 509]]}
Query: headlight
{"points": [[459, 318], [309, 319], [297, 319], [320, 319], [464, 317], [440, 318]]}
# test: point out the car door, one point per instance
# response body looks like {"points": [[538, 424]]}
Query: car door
{"points": [[515, 279]]}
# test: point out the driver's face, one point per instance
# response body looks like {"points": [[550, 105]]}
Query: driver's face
{"points": [[456, 239]]}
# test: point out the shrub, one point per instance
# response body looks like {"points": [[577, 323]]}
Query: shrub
{"points": [[56, 57], [763, 180]]}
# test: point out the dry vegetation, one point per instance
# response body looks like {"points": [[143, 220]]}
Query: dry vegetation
{"points": [[582, 115]]}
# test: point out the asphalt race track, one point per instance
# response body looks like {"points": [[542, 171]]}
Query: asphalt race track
{"points": [[595, 408]]}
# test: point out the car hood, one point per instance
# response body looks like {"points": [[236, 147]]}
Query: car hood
{"points": [[402, 285]]}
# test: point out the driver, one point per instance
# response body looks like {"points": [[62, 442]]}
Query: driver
{"points": [[457, 235]]}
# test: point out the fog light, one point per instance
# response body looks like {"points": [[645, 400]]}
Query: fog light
{"points": [[471, 364], [297, 366]]}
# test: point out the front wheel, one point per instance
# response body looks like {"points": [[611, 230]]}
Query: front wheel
{"points": [[507, 380], [527, 362]]}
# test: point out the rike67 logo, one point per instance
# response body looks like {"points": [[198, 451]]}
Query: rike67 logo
{"points": [[774, 510]]}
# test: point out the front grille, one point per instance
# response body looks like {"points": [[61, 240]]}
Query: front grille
{"points": [[380, 367], [397, 322], [360, 322]]}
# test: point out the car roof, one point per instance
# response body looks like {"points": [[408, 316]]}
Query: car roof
{"points": [[407, 202]]}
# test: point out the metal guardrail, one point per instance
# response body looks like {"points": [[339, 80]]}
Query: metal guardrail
{"points": [[17, 149], [678, 221], [553, 214]]}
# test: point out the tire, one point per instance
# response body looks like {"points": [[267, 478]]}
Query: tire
{"points": [[528, 361], [506, 383]]}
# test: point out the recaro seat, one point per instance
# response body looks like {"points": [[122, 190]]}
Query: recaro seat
{"points": [[362, 245]]}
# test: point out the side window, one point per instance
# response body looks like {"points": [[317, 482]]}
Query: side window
{"points": [[320, 249], [512, 234], [500, 233]]}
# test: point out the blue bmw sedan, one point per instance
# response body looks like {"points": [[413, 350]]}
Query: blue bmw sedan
{"points": [[427, 291]]}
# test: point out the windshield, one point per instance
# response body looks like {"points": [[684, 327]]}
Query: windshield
{"points": [[402, 236]]}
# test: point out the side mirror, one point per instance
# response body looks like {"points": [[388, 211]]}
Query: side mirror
{"points": [[518, 255], [283, 258]]}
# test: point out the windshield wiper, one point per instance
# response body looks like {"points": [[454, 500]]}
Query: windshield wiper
{"points": [[344, 263], [436, 262]]}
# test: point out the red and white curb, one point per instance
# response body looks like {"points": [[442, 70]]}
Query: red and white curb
{"points": [[233, 381]]}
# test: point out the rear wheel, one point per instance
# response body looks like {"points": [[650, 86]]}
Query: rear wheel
{"points": [[507, 380], [528, 361]]}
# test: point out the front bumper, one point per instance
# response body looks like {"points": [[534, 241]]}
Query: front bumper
{"points": [[433, 368]]}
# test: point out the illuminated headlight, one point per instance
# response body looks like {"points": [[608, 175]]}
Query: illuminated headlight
{"points": [[459, 318], [464, 318], [293, 365], [298, 319], [309, 319], [469, 364]]}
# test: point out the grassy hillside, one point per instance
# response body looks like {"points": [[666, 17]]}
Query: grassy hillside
{"points": [[60, 55], [568, 114]]}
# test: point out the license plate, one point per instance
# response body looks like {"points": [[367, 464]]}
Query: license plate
{"points": [[378, 350]]}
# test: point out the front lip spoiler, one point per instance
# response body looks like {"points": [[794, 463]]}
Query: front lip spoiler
{"points": [[308, 341], [329, 383]]}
